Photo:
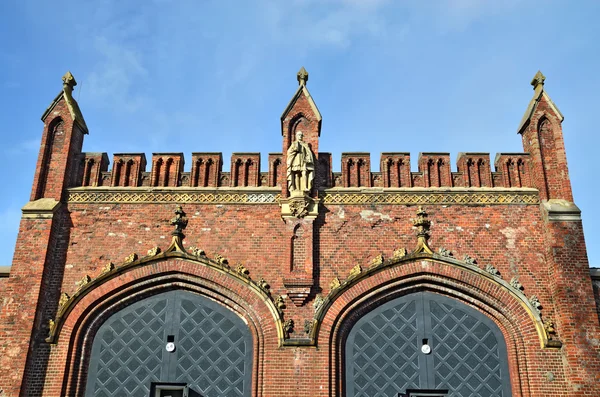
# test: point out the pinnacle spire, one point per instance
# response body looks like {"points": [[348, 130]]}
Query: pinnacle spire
{"points": [[68, 82], [302, 76], [538, 79]]}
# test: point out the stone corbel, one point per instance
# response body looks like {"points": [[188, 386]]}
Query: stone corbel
{"points": [[43, 208], [299, 206], [558, 210]]}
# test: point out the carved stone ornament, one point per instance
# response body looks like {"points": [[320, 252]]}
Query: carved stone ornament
{"points": [[355, 271], [299, 208], [153, 251], [300, 166], [83, 282], [220, 259], [180, 221], [288, 327], [492, 270], [445, 252], [264, 285], [469, 260], [109, 267], [318, 302], [399, 253], [549, 327], [308, 326], [377, 261], [422, 224], [197, 251], [335, 283], [64, 299], [279, 302], [131, 258], [537, 306], [241, 269], [514, 282], [51, 326]]}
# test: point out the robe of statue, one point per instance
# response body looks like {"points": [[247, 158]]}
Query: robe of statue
{"points": [[300, 166]]}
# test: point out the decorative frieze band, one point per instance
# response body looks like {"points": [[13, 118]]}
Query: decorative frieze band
{"points": [[446, 197], [165, 196], [412, 196]]}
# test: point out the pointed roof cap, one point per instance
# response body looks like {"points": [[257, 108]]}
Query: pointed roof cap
{"points": [[538, 88], [69, 83], [538, 79], [302, 77]]}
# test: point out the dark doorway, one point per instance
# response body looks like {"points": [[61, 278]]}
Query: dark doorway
{"points": [[426, 341], [177, 337]]}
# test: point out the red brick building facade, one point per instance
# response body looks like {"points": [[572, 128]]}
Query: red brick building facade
{"points": [[132, 281]]}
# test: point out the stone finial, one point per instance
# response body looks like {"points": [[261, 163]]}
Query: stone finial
{"points": [[422, 224], [538, 79], [68, 82], [302, 76], [180, 221]]}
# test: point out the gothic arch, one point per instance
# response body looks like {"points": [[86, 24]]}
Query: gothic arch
{"points": [[56, 125], [298, 119], [518, 320], [81, 316]]}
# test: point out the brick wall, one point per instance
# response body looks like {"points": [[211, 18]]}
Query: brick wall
{"points": [[510, 242]]}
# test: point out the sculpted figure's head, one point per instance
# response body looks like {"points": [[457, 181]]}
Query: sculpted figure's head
{"points": [[299, 135]]}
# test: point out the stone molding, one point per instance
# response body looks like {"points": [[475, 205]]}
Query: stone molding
{"points": [[562, 211], [348, 196], [43, 208]]}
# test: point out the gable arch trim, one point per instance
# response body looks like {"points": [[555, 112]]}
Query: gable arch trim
{"points": [[357, 275], [76, 340], [111, 272]]}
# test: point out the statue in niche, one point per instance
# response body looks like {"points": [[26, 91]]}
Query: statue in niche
{"points": [[300, 166]]}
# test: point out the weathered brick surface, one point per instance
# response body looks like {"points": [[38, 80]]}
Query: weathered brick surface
{"points": [[547, 256]]}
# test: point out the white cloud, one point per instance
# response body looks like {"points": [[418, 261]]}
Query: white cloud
{"points": [[23, 146], [113, 75]]}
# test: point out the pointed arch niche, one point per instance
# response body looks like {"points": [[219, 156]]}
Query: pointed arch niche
{"points": [[349, 300], [117, 288]]}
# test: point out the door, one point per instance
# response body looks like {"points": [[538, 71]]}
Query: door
{"points": [[177, 337], [426, 341]]}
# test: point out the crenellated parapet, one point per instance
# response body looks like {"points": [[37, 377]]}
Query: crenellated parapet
{"points": [[473, 170], [435, 170], [512, 170], [395, 169], [245, 170], [166, 169], [127, 169], [206, 169], [276, 174], [92, 167], [356, 169]]}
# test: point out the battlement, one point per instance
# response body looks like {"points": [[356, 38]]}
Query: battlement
{"points": [[511, 170], [301, 169]]}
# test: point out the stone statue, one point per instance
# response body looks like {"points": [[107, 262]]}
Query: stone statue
{"points": [[300, 166]]}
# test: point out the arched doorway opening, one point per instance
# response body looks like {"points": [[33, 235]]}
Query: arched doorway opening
{"points": [[425, 341], [174, 338]]}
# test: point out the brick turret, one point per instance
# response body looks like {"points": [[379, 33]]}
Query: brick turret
{"points": [[38, 263], [301, 114], [62, 141], [541, 129], [565, 250]]}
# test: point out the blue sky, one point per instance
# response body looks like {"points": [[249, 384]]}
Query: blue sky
{"points": [[417, 76]]}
